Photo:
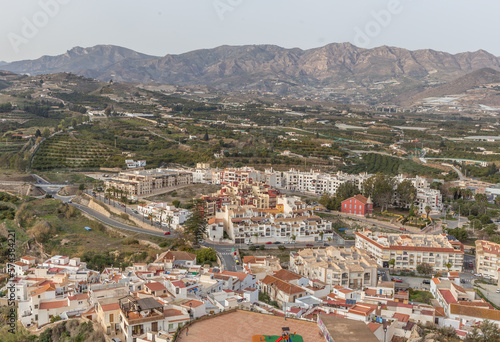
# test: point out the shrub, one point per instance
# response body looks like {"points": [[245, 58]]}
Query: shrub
{"points": [[130, 241]]}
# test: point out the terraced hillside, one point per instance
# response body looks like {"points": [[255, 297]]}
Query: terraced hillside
{"points": [[65, 151]]}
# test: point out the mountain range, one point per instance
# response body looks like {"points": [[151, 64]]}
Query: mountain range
{"points": [[265, 67]]}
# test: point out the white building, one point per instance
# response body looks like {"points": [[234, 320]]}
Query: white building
{"points": [[167, 214], [408, 251], [131, 164]]}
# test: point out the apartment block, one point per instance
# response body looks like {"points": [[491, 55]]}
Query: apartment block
{"points": [[408, 251], [138, 183], [487, 258], [292, 220], [347, 267]]}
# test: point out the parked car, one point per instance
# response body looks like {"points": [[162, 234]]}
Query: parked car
{"points": [[269, 243], [277, 242], [166, 233], [309, 245], [396, 280], [426, 281], [116, 339], [498, 291]]}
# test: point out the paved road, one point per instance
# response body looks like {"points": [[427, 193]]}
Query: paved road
{"points": [[455, 223], [460, 174], [490, 292], [113, 223], [225, 253]]}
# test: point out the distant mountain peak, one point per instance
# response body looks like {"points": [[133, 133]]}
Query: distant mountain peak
{"points": [[266, 67]]}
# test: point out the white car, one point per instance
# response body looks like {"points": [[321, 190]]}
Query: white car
{"points": [[498, 291]]}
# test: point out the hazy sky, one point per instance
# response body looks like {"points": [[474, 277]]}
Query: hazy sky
{"points": [[32, 28]]}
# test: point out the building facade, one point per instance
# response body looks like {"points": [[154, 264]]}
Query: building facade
{"points": [[347, 267], [487, 258], [357, 205], [408, 251]]}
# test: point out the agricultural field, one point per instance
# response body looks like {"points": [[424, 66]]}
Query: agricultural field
{"points": [[68, 152], [373, 163]]}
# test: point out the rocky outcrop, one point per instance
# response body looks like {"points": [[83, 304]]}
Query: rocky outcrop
{"points": [[261, 66]]}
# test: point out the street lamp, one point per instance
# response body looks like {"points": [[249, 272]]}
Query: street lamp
{"points": [[385, 332]]}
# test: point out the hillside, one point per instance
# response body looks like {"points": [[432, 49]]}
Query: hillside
{"points": [[265, 67], [461, 85]]}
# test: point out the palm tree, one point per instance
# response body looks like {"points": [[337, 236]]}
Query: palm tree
{"points": [[169, 221], [449, 265], [321, 235], [427, 211], [161, 215]]}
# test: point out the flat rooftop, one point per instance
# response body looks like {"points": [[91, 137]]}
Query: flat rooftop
{"points": [[347, 330], [243, 325]]}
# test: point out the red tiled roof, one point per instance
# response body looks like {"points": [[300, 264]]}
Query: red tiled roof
{"points": [[79, 296], [172, 312], [155, 286], [448, 296], [283, 286], [363, 310], [462, 310], [401, 317], [193, 303], [53, 305], [287, 275], [110, 307], [179, 283], [240, 275]]}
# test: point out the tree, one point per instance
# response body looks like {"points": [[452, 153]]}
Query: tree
{"points": [[346, 190], [38, 133], [486, 332], [424, 268], [196, 225], [427, 210], [406, 193], [206, 255], [497, 200], [459, 233], [482, 201], [392, 262], [448, 265], [176, 203], [205, 137], [380, 188], [46, 133], [169, 222], [81, 187]]}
